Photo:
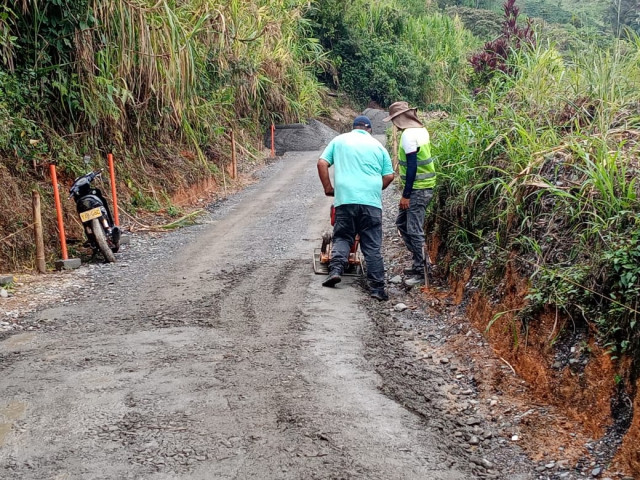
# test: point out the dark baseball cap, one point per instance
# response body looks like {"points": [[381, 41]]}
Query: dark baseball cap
{"points": [[362, 121]]}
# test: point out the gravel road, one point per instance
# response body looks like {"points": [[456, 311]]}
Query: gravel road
{"points": [[213, 352]]}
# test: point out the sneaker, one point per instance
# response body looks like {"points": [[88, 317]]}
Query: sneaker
{"points": [[380, 295], [412, 271], [414, 280], [332, 280]]}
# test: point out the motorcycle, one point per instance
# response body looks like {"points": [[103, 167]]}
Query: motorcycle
{"points": [[93, 209]]}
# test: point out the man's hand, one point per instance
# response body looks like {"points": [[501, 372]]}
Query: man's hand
{"points": [[323, 172], [404, 203]]}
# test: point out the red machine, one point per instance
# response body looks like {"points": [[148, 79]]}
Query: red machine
{"points": [[322, 255]]}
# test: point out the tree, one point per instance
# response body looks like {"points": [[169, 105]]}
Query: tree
{"points": [[624, 13]]}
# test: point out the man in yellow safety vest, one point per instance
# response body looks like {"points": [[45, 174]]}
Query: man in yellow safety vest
{"points": [[418, 177]]}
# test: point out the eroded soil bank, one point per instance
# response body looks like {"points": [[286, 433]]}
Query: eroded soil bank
{"points": [[562, 366]]}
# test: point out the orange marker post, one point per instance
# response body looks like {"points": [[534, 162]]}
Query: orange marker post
{"points": [[273, 135], [234, 160], [112, 174], [56, 197]]}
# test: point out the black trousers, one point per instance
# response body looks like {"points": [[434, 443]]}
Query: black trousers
{"points": [[366, 221]]}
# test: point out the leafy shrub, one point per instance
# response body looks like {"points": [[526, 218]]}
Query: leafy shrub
{"points": [[496, 53], [621, 261], [384, 72]]}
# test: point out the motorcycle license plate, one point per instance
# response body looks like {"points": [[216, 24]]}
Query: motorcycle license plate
{"points": [[90, 214]]}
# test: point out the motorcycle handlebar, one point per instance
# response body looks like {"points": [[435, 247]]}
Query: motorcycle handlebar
{"points": [[91, 176]]}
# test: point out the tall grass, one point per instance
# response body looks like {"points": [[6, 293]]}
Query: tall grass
{"points": [[138, 62], [546, 158]]}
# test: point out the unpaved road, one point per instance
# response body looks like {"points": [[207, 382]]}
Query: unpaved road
{"points": [[217, 354], [214, 353]]}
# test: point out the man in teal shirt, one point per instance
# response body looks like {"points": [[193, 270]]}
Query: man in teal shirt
{"points": [[362, 170]]}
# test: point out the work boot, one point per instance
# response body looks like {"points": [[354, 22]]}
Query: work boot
{"points": [[413, 271], [414, 280], [332, 280], [379, 295]]}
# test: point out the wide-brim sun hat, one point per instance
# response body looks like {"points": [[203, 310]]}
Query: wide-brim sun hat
{"points": [[403, 116]]}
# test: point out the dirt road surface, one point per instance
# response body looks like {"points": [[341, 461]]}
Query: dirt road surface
{"points": [[214, 353]]}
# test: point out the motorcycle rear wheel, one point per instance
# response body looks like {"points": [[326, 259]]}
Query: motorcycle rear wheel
{"points": [[101, 240]]}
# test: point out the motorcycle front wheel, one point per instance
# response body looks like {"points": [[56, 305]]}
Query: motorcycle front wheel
{"points": [[101, 240]]}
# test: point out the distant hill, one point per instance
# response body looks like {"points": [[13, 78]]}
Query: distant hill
{"points": [[575, 12]]}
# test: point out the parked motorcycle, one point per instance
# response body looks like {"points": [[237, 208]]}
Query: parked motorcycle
{"points": [[95, 215]]}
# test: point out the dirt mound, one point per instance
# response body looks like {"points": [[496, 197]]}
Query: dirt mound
{"points": [[378, 126], [315, 135], [300, 137]]}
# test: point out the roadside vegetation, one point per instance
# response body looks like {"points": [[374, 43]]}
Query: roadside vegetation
{"points": [[538, 155], [542, 161], [539, 186], [158, 83]]}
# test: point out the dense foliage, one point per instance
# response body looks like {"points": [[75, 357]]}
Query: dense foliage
{"points": [[394, 49], [118, 70], [541, 170]]}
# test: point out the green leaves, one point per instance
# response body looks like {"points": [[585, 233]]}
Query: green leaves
{"points": [[389, 50]]}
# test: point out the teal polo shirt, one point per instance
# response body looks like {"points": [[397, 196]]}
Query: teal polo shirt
{"points": [[360, 161]]}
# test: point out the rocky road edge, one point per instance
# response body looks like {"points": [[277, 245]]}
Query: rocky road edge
{"points": [[435, 363]]}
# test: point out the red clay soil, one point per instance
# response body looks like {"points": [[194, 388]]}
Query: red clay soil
{"points": [[581, 400], [195, 194], [628, 457]]}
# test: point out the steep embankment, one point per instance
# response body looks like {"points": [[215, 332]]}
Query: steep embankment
{"points": [[159, 84], [537, 219]]}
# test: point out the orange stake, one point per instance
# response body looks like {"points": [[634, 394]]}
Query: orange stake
{"points": [[56, 197], [234, 160], [112, 173], [273, 134]]}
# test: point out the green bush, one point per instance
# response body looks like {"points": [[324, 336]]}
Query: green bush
{"points": [[384, 72], [390, 50]]}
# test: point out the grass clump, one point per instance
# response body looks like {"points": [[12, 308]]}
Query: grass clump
{"points": [[542, 165]]}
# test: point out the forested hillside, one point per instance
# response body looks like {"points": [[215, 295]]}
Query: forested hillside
{"points": [[609, 15]]}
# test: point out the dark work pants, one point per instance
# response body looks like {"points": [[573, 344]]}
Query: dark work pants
{"points": [[366, 221], [410, 223]]}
